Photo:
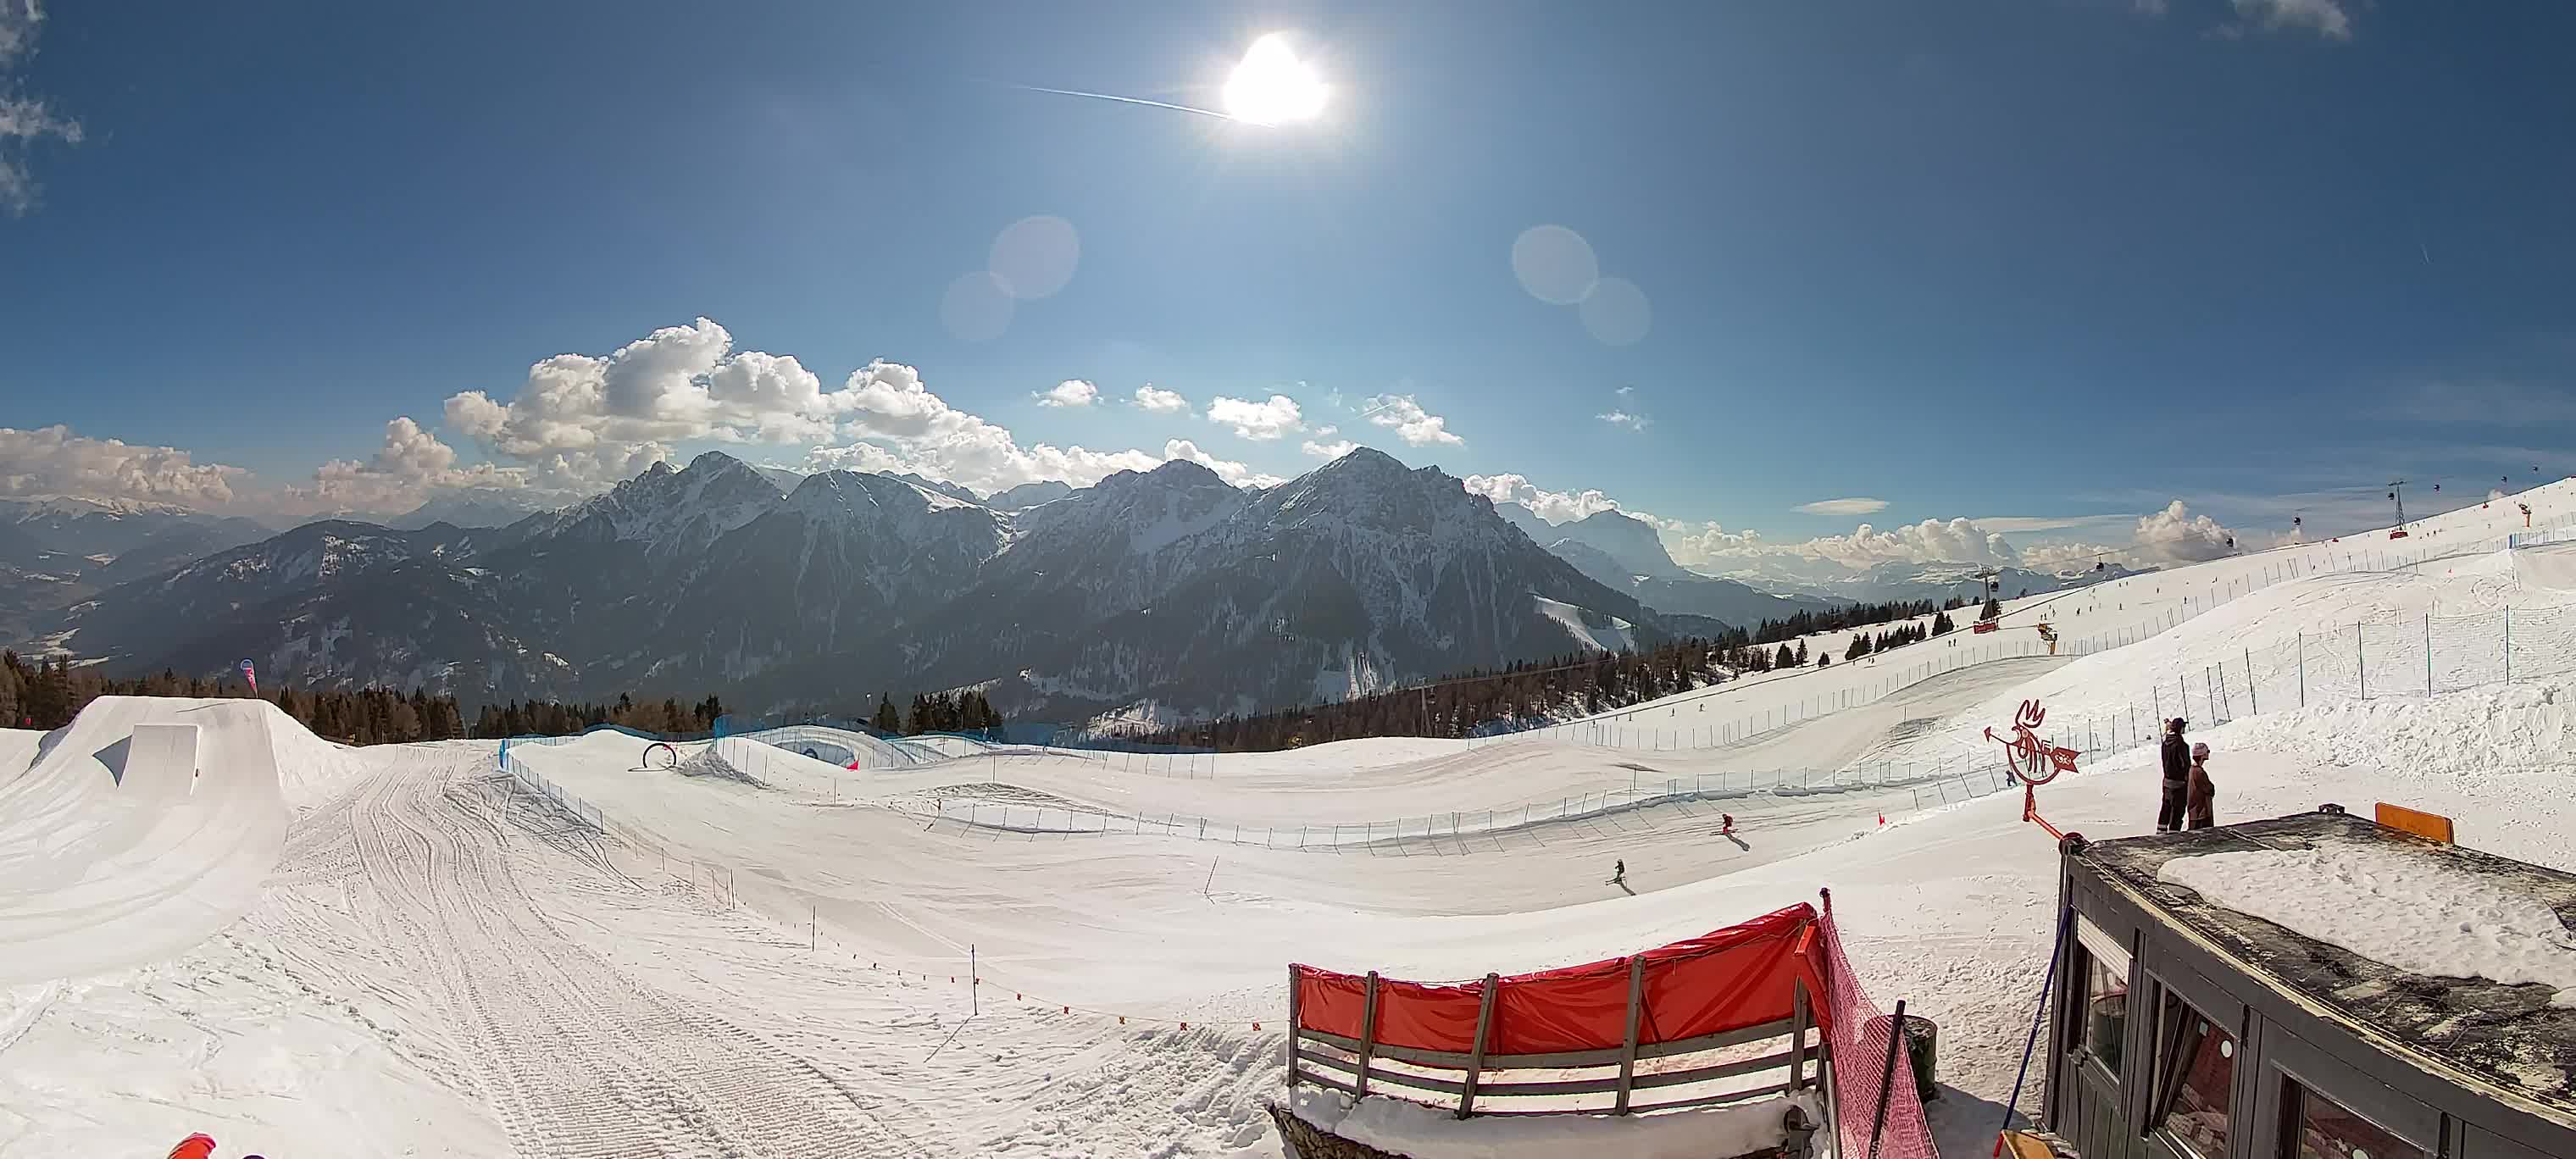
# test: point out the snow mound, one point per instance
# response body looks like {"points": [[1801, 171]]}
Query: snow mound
{"points": [[709, 763], [141, 828], [2415, 913], [1426, 1132]]}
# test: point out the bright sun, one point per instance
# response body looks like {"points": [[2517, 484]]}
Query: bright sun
{"points": [[1272, 85]]}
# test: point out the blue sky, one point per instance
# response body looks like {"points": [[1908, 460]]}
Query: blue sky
{"points": [[2014, 261]]}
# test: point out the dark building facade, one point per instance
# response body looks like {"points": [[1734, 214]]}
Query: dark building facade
{"points": [[2180, 1029]]}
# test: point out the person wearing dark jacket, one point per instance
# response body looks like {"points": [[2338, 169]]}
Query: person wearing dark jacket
{"points": [[2176, 756], [2199, 808]]}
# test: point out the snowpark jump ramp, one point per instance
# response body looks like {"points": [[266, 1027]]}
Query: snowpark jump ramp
{"points": [[138, 830]]}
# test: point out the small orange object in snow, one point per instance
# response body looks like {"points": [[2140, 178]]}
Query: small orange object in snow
{"points": [[194, 1147]]}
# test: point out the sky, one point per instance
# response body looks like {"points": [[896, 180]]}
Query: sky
{"points": [[1888, 279]]}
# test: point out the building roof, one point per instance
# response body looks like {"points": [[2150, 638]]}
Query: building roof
{"points": [[2509, 1036]]}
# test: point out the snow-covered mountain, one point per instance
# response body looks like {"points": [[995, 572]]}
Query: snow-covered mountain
{"points": [[1028, 495], [474, 507], [58, 550], [1909, 580], [1168, 586], [1625, 538]]}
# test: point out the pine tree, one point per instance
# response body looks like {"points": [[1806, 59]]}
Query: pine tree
{"points": [[887, 720], [1802, 654], [1994, 608]]}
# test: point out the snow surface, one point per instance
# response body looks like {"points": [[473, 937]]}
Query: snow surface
{"points": [[2417, 913], [1405, 1128], [782, 968]]}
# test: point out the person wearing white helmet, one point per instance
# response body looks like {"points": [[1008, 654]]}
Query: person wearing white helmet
{"points": [[2202, 815]]}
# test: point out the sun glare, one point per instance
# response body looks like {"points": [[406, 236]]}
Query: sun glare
{"points": [[1272, 86]]}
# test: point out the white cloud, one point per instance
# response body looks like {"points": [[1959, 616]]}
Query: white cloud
{"points": [[1418, 428], [1334, 449], [1226, 469], [1258, 421], [1553, 506], [1706, 545], [1162, 402], [24, 120], [407, 469], [2326, 18], [2174, 535], [1070, 392], [1621, 418], [1843, 507], [54, 461]]}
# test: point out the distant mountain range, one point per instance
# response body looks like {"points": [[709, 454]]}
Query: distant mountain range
{"points": [[1165, 593], [1623, 553], [57, 550]]}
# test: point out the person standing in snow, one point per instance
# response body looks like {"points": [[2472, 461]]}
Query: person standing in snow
{"points": [[1619, 872], [2199, 809], [2176, 757]]}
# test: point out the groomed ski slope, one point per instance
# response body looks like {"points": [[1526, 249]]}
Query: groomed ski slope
{"points": [[716, 974]]}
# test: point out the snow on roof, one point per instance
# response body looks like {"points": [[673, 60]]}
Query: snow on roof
{"points": [[2513, 1036], [2389, 904]]}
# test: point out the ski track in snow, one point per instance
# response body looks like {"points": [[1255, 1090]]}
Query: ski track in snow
{"points": [[579, 1061], [438, 965]]}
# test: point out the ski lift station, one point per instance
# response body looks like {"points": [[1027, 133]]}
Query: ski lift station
{"points": [[2316, 986]]}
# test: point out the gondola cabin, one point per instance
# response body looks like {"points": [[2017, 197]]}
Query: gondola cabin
{"points": [[2185, 1026]]}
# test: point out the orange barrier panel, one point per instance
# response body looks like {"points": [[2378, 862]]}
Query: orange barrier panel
{"points": [[2421, 824], [1730, 979]]}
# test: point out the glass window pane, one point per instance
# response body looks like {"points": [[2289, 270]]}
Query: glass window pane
{"points": [[2202, 1065], [2106, 1011], [2327, 1131], [2106, 995]]}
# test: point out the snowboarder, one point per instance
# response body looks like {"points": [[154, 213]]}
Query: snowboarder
{"points": [[2176, 759], [1619, 873], [2199, 811], [1726, 824]]}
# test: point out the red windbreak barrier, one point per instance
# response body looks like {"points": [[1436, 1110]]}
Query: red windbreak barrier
{"points": [[1726, 980]]}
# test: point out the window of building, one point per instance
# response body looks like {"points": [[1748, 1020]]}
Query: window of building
{"points": [[2106, 996], [2195, 1071], [2322, 1129]]}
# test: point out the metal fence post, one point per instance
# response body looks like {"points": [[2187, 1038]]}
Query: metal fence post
{"points": [[2508, 645], [1368, 1036], [2252, 698], [2361, 662], [2303, 669], [2428, 653]]}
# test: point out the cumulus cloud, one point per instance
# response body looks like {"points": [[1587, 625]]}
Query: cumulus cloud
{"points": [[24, 120], [1070, 392], [54, 461], [1621, 418], [1226, 469], [1409, 421], [1259, 421], [2175, 535], [679, 384], [410, 466], [2326, 18], [1553, 506], [1153, 400], [1843, 507], [1333, 449]]}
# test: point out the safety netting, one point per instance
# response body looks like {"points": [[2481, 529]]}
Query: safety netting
{"points": [[1877, 1111]]}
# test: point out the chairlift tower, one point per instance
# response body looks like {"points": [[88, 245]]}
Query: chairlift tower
{"points": [[2397, 493]]}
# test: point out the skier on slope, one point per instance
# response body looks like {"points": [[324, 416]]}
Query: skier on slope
{"points": [[1619, 872], [1726, 824], [2175, 756]]}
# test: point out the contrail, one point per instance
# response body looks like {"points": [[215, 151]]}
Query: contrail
{"points": [[1127, 101]]}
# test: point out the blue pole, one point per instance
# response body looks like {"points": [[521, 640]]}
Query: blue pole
{"points": [[2056, 951]]}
